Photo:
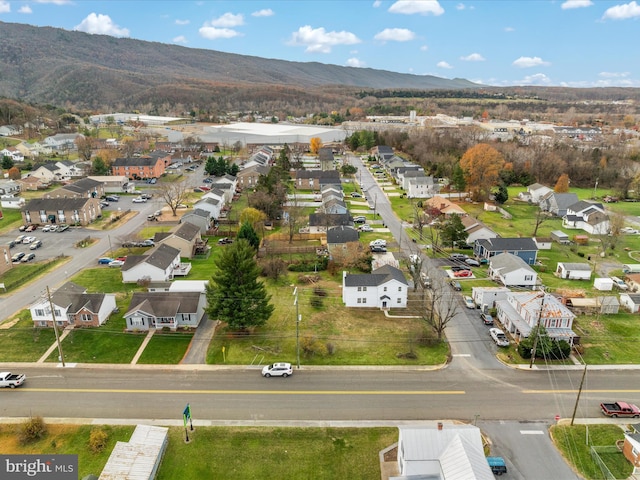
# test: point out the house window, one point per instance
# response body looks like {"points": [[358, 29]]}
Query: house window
{"points": [[359, 289], [399, 300], [137, 321], [399, 289], [528, 278], [364, 300], [359, 300], [384, 289], [86, 317], [39, 312], [364, 289]]}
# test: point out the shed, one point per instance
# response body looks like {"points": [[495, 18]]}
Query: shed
{"points": [[581, 239], [574, 271], [631, 301], [560, 237], [603, 305], [603, 283]]}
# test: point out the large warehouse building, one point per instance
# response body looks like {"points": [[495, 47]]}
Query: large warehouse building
{"points": [[270, 134]]}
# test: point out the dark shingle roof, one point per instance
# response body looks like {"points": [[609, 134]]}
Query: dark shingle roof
{"points": [[510, 244], [342, 234], [377, 277], [64, 204], [135, 162], [187, 231]]}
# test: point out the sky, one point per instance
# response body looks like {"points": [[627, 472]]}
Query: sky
{"points": [[572, 43]]}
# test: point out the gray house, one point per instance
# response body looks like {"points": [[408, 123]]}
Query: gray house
{"points": [[339, 237], [557, 203], [157, 310], [525, 248]]}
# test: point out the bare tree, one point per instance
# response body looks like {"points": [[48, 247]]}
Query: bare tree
{"points": [[295, 214], [541, 217], [173, 194], [85, 148]]}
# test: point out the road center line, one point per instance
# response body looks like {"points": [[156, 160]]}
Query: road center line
{"points": [[252, 392], [583, 391]]}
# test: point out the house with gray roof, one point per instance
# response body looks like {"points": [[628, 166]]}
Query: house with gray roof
{"points": [[76, 211], [420, 186], [161, 264], [385, 287], [320, 222], [335, 206], [573, 271], [72, 305], [588, 216], [383, 153], [83, 188], [315, 179], [557, 203], [198, 217], [158, 310], [339, 238], [525, 248], [534, 193], [186, 238], [511, 271]]}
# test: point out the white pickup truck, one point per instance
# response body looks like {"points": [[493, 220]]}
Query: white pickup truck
{"points": [[8, 379]]}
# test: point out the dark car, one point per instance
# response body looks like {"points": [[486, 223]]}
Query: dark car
{"points": [[378, 249], [225, 241], [457, 268], [486, 318], [111, 198], [18, 256], [28, 258], [455, 285]]}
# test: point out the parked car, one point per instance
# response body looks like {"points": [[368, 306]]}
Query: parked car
{"points": [[455, 285], [620, 409], [460, 257], [497, 465], [486, 318], [31, 228], [208, 180], [378, 242], [277, 370], [112, 198], [619, 283], [426, 281], [205, 188], [54, 228], [462, 274], [360, 219], [365, 228], [17, 257], [147, 243], [377, 249], [499, 337], [457, 268], [104, 204], [116, 263], [28, 258], [22, 228], [105, 261], [19, 238], [355, 195], [62, 227], [12, 243], [28, 240], [46, 228], [629, 230], [35, 245], [468, 302], [472, 262], [139, 200], [147, 196]]}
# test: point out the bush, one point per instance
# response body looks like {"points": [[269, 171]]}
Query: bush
{"points": [[316, 302], [320, 292], [32, 429], [311, 346], [98, 439]]}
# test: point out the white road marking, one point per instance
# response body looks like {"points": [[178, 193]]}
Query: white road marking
{"points": [[531, 432]]}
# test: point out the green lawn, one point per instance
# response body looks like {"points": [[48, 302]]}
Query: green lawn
{"points": [[571, 441], [24, 343], [166, 348]]}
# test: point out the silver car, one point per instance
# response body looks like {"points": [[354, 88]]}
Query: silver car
{"points": [[277, 370]]}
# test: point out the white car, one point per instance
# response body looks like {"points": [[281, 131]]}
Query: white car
{"points": [[629, 230], [277, 370], [499, 337], [378, 242], [472, 262], [468, 302], [28, 239], [619, 283], [139, 200], [366, 228]]}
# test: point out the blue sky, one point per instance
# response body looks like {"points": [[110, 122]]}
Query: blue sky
{"points": [[575, 43]]}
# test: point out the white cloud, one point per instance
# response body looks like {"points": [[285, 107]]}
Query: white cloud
{"points": [[318, 40], [377, 3], [182, 22], [354, 62], [474, 57], [25, 9], [55, 2], [443, 64], [180, 39], [424, 48], [622, 12], [528, 62], [395, 35], [228, 20], [460, 6], [5, 7], [613, 74], [423, 7], [535, 79], [569, 4], [213, 33], [509, 29], [265, 12], [102, 25]]}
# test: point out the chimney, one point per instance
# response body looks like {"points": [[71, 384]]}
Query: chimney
{"points": [[439, 425]]}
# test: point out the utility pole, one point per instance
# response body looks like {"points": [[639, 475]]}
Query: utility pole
{"points": [[295, 302], [55, 327], [584, 374], [535, 340]]}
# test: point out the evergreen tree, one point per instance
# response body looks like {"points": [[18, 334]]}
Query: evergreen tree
{"points": [[452, 231], [210, 165], [234, 294], [248, 233], [502, 195], [457, 178]]}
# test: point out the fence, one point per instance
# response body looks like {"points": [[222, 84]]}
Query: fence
{"points": [[282, 249], [595, 455]]}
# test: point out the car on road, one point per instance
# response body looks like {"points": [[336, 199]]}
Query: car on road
{"points": [[486, 318], [455, 285], [472, 262], [62, 227], [139, 200], [365, 228], [499, 337], [28, 258], [116, 263], [17, 257], [28, 240], [277, 370], [35, 245], [463, 274], [468, 302], [105, 261]]}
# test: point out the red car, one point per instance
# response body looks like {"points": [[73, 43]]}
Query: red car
{"points": [[462, 273]]}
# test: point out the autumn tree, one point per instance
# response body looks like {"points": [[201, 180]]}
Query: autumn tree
{"points": [[85, 148], [252, 216], [173, 194], [562, 185], [481, 165], [235, 294], [315, 144], [14, 173]]}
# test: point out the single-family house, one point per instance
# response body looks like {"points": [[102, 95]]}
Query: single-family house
{"points": [[225, 182], [72, 305], [32, 183], [631, 448], [511, 271], [63, 141], [320, 222], [633, 280], [444, 206], [334, 206], [525, 248], [13, 153], [186, 238], [385, 287], [339, 239], [557, 203], [326, 158], [331, 192], [158, 310], [10, 130], [476, 230], [212, 205], [9, 188], [55, 172], [522, 311], [441, 452], [315, 179], [199, 218], [83, 188], [534, 193], [382, 153], [76, 211], [486, 297], [587, 216], [420, 186], [573, 271], [631, 301], [217, 194], [248, 177], [135, 168], [161, 264]]}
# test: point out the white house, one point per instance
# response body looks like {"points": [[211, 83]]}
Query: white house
{"points": [[574, 271], [63, 141], [511, 271], [587, 216], [384, 287], [444, 451], [534, 193], [630, 301], [476, 230], [543, 243], [160, 265], [149, 310], [216, 194], [72, 305], [13, 153], [486, 297], [522, 311]]}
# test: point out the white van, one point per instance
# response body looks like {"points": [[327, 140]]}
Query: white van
{"points": [[631, 268]]}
